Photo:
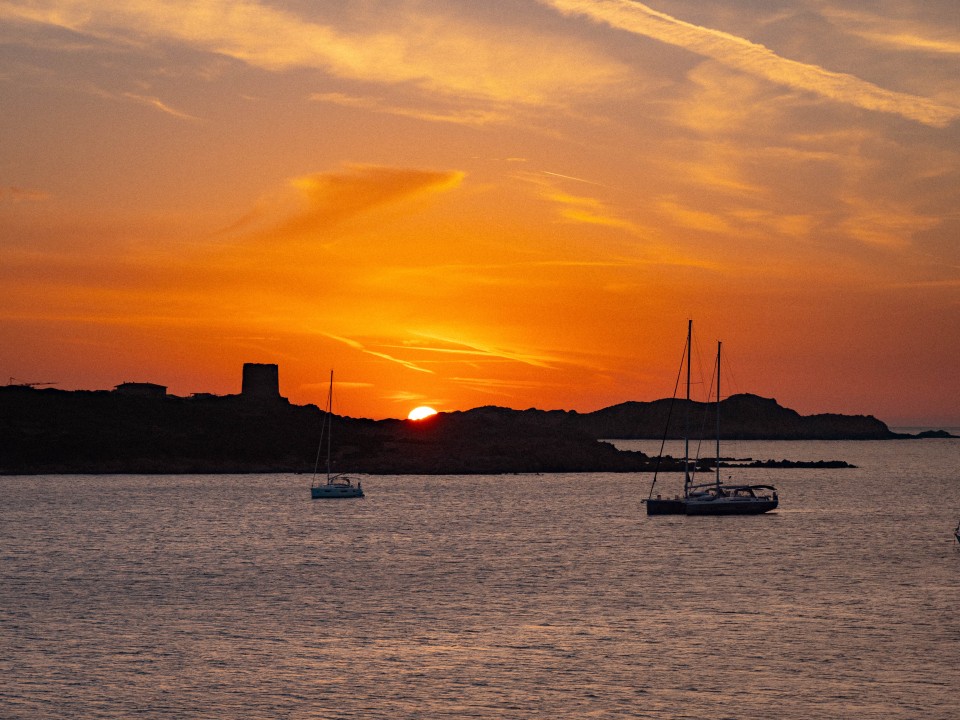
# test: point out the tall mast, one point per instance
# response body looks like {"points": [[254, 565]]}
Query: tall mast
{"points": [[686, 419], [719, 344], [330, 425]]}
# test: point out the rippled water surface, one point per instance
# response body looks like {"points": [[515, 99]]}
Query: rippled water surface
{"points": [[521, 596]]}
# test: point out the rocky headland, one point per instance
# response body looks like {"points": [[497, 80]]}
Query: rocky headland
{"points": [[54, 431]]}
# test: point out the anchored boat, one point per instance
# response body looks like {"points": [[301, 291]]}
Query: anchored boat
{"points": [[716, 497], [336, 485]]}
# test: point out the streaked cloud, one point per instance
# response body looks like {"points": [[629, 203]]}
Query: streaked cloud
{"points": [[357, 345], [570, 177], [466, 116], [447, 344], [320, 201], [434, 52], [641, 243], [491, 384], [583, 209], [345, 384], [19, 194], [898, 34], [910, 41], [948, 284], [503, 388], [415, 349], [889, 226], [756, 59], [693, 218], [588, 210], [404, 396], [158, 104]]}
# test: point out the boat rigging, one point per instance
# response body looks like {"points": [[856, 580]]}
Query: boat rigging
{"points": [[713, 498]]}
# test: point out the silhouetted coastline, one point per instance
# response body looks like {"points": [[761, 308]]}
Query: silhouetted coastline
{"points": [[141, 429]]}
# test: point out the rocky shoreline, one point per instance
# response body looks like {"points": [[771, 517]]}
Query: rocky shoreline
{"points": [[50, 431]]}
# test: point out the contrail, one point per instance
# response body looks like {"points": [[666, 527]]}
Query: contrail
{"points": [[571, 177], [758, 60]]}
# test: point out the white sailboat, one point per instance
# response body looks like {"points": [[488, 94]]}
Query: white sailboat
{"points": [[713, 498], [336, 485], [717, 498]]}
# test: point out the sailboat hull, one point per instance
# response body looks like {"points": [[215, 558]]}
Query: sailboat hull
{"points": [[319, 492], [724, 506], [658, 506], [710, 505]]}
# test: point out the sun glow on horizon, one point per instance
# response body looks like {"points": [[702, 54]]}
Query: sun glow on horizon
{"points": [[419, 413]]}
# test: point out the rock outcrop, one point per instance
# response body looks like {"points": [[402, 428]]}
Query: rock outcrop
{"points": [[46, 431], [744, 417]]}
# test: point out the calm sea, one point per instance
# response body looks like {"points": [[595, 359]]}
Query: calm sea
{"points": [[520, 596]]}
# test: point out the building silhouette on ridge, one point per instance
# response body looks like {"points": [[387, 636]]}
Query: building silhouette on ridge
{"points": [[261, 381]]}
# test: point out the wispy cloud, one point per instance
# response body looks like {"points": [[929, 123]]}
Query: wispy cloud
{"points": [[316, 202], [434, 52], [448, 349], [19, 194], [158, 104], [405, 396], [346, 384], [947, 284], [756, 59], [890, 226], [652, 247], [499, 387], [496, 384], [898, 34], [581, 208], [571, 177], [480, 350], [468, 116], [357, 345], [452, 345], [590, 211], [689, 217], [910, 41]]}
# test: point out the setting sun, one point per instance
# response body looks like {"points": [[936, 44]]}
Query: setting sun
{"points": [[419, 413]]}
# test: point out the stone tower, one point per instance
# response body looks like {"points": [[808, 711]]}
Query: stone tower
{"points": [[261, 381]]}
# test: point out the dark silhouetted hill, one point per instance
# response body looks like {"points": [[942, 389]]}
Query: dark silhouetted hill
{"points": [[54, 431], [745, 417]]}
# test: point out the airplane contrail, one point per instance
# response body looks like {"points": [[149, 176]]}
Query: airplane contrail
{"points": [[571, 177], [758, 60]]}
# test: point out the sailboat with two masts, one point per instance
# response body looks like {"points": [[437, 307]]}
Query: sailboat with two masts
{"points": [[336, 485], [713, 498]]}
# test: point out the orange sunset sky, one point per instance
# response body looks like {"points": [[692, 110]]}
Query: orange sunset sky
{"points": [[462, 203]]}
